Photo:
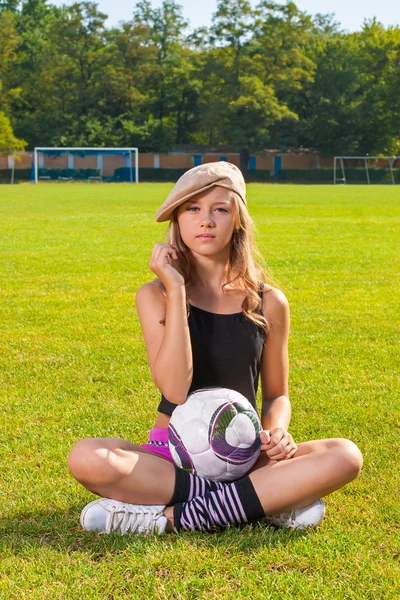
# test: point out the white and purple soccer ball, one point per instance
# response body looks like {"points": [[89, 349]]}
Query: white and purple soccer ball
{"points": [[215, 434]]}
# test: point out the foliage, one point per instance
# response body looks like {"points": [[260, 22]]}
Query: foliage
{"points": [[9, 58], [263, 75], [246, 105], [8, 142]]}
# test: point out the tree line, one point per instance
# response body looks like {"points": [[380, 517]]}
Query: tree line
{"points": [[258, 77]]}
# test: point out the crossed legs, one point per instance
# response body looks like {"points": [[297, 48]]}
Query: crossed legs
{"points": [[118, 469]]}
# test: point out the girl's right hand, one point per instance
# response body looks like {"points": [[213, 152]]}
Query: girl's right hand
{"points": [[161, 261]]}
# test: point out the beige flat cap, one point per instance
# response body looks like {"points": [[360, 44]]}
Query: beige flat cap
{"points": [[198, 180]]}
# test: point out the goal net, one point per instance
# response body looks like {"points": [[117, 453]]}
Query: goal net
{"points": [[366, 169], [86, 164]]}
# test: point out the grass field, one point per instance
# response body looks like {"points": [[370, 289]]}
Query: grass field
{"points": [[73, 364]]}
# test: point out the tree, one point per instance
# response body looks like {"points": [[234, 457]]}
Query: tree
{"points": [[10, 5], [281, 47], [332, 119], [9, 89], [62, 80], [8, 142], [32, 110], [239, 104], [353, 103], [169, 86], [232, 27], [379, 55], [78, 40], [260, 76]]}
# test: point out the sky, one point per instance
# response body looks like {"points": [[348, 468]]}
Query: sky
{"points": [[349, 13]]}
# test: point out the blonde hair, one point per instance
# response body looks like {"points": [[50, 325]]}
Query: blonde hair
{"points": [[242, 269]]}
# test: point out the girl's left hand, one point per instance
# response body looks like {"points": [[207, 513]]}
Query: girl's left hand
{"points": [[278, 444]]}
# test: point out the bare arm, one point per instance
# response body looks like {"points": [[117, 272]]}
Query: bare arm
{"points": [[276, 410], [276, 441], [168, 347]]}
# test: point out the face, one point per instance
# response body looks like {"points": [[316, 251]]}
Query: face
{"points": [[207, 221]]}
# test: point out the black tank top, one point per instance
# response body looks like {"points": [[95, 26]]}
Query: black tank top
{"points": [[226, 352]]}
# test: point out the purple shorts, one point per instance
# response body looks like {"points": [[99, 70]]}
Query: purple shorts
{"points": [[158, 443]]}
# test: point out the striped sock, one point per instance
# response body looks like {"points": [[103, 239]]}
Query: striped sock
{"points": [[189, 486], [234, 503]]}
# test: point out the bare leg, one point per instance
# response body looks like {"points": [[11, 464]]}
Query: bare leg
{"points": [[318, 468], [117, 469]]}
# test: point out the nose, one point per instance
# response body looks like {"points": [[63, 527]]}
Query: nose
{"points": [[207, 219]]}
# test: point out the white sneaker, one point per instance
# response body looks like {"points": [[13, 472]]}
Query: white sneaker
{"points": [[108, 516], [309, 516]]}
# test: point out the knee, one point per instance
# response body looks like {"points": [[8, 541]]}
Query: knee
{"points": [[80, 457], [89, 461], [349, 458]]}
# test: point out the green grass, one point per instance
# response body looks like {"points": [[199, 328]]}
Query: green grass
{"points": [[73, 364]]}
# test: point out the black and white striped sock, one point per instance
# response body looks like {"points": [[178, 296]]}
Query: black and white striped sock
{"points": [[189, 486], [234, 503]]}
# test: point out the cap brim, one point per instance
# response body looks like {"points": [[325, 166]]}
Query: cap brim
{"points": [[164, 212]]}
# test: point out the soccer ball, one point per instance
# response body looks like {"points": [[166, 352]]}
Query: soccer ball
{"points": [[215, 434]]}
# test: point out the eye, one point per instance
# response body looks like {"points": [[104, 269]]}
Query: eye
{"points": [[195, 208]]}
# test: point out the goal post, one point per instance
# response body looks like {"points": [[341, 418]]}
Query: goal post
{"points": [[366, 169], [85, 164]]}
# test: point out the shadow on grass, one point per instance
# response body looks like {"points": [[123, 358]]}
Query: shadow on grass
{"points": [[60, 530]]}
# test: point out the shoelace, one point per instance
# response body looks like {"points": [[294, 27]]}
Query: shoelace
{"points": [[124, 520]]}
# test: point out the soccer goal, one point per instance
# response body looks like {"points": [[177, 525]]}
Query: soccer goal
{"points": [[86, 164], [366, 169]]}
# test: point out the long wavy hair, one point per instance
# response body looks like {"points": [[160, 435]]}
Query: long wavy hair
{"points": [[242, 269]]}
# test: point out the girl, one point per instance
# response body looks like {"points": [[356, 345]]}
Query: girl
{"points": [[211, 320]]}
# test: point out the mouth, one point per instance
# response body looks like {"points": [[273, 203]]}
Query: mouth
{"points": [[205, 237]]}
